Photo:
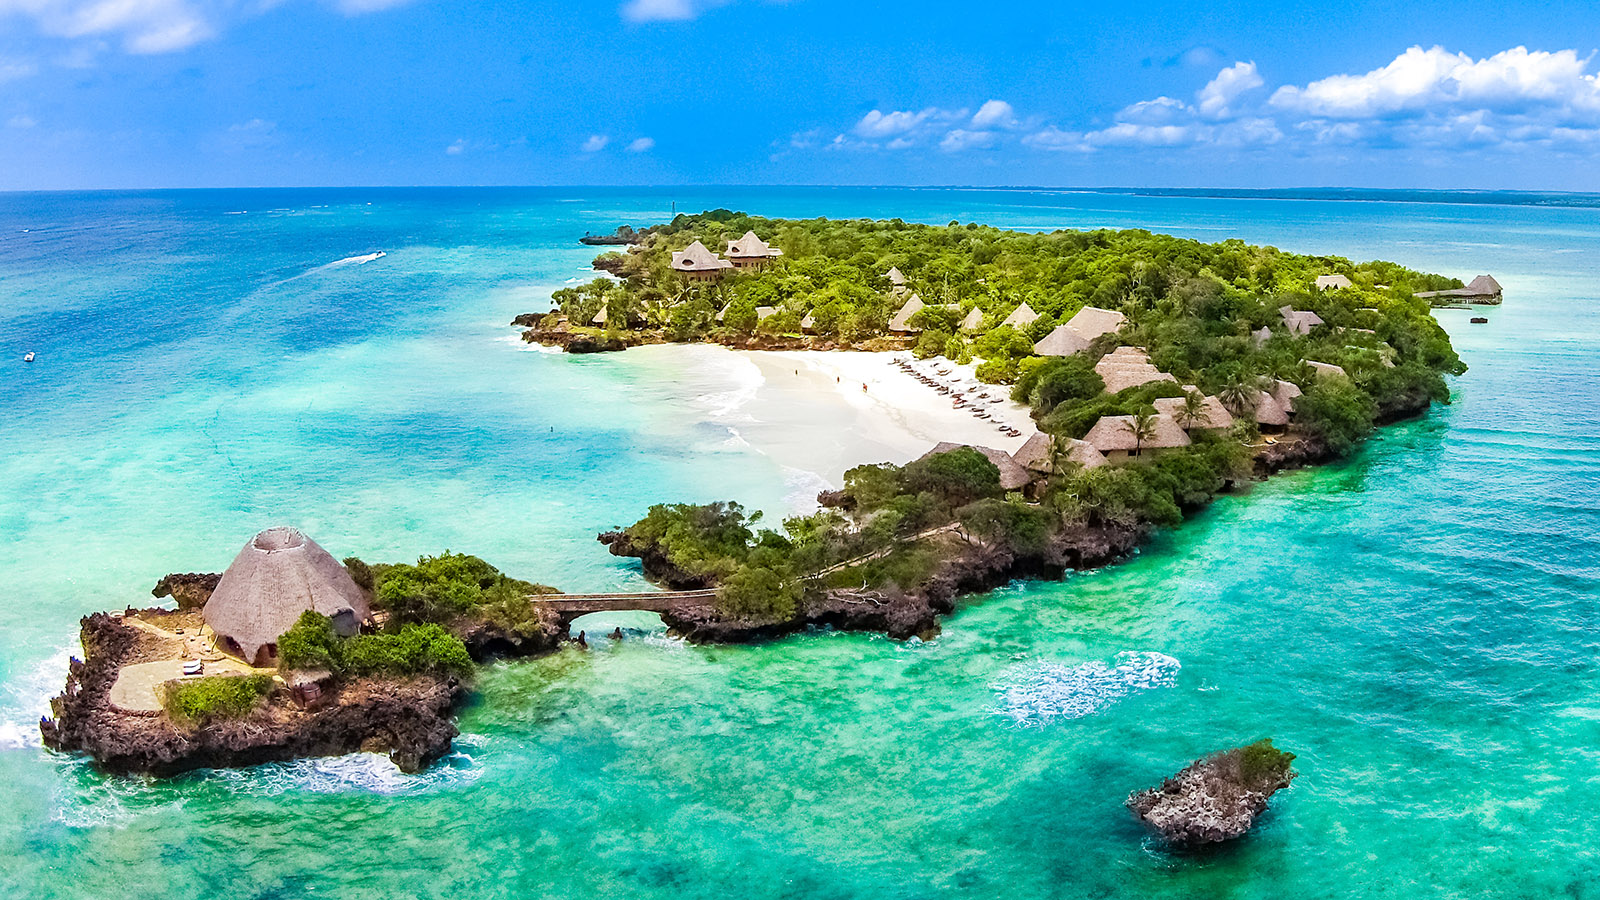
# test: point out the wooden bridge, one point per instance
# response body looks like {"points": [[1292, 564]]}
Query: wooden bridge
{"points": [[571, 606]]}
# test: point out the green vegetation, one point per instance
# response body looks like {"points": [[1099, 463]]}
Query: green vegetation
{"points": [[413, 649], [201, 700], [1195, 308], [1262, 766], [448, 588]]}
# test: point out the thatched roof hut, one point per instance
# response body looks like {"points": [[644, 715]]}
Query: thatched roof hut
{"points": [[1092, 321], [1269, 411], [751, 251], [973, 320], [599, 317], [278, 575], [696, 260], [1113, 434], [1062, 340], [896, 280], [1021, 317], [1262, 336], [1325, 370], [762, 312], [901, 322], [1128, 367], [1213, 415], [1482, 288], [1012, 475], [1285, 392], [1332, 282], [1299, 321], [1035, 455]]}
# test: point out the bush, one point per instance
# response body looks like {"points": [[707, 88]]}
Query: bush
{"points": [[758, 592], [1337, 411], [1261, 764], [958, 477], [360, 573], [214, 697], [310, 644]]}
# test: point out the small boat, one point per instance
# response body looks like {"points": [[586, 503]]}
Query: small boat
{"points": [[1476, 320], [29, 357]]}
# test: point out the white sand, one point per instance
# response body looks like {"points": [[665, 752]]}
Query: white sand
{"points": [[825, 412]]}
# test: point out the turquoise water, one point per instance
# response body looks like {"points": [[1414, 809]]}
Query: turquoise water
{"points": [[1419, 624]]}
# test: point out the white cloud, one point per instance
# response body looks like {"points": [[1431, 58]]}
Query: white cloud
{"points": [[1053, 138], [21, 121], [642, 145], [1218, 96], [959, 139], [878, 124], [152, 26], [1418, 80], [667, 10], [994, 114], [458, 148], [1160, 111], [596, 143], [13, 69]]}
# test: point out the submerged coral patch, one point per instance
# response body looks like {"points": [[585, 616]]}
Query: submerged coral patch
{"points": [[1034, 694]]}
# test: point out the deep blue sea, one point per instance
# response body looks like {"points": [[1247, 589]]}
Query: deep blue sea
{"points": [[1420, 624]]}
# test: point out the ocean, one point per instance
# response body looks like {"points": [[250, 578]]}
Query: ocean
{"points": [[1419, 624]]}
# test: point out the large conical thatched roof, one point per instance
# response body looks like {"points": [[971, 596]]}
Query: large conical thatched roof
{"points": [[278, 575]]}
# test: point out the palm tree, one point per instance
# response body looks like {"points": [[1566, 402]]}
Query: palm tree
{"points": [[1238, 396], [1193, 409], [1143, 427]]}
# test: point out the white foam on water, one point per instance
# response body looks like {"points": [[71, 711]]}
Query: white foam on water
{"points": [[1035, 694], [369, 773], [26, 699], [361, 260]]}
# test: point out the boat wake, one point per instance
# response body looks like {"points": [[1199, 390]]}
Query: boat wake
{"points": [[1036, 694], [355, 260]]}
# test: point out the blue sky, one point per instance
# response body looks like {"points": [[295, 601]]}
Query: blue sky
{"points": [[197, 93]]}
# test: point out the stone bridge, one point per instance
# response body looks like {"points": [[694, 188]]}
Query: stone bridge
{"points": [[571, 606]]}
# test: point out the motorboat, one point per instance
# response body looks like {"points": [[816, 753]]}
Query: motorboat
{"points": [[29, 357]]}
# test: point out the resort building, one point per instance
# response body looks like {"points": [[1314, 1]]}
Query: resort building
{"points": [[1128, 367], [900, 323], [1013, 477], [1332, 282], [1117, 440], [1269, 413], [751, 252], [1284, 393], [1079, 331], [278, 575], [1039, 454], [1262, 336], [1482, 290], [897, 281], [1325, 370], [973, 320], [697, 263], [1213, 416], [1299, 321], [1021, 317], [599, 319], [762, 312], [809, 323]]}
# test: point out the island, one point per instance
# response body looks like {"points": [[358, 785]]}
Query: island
{"points": [[1217, 798]]}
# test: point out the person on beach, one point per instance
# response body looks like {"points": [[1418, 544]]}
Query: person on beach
{"points": [[617, 634], [581, 642]]}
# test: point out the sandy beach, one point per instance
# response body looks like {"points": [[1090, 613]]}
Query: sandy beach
{"points": [[822, 413]]}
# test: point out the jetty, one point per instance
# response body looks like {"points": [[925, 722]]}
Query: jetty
{"points": [[1483, 291]]}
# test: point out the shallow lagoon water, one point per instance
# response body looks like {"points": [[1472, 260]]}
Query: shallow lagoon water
{"points": [[1418, 623]]}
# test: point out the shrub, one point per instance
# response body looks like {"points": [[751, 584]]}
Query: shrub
{"points": [[360, 573], [758, 592], [1337, 411], [415, 649], [1261, 764], [310, 644], [214, 697]]}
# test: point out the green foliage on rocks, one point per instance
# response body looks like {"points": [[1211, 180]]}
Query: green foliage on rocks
{"points": [[1263, 766], [198, 701], [413, 649], [442, 589]]}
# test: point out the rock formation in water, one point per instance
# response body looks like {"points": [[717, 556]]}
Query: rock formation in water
{"points": [[409, 718], [191, 590], [1217, 798]]}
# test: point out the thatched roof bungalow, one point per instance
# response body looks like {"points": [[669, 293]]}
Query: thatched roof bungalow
{"points": [[1128, 367], [973, 320], [1213, 415], [1076, 334], [1285, 392], [697, 263], [900, 323], [1299, 321], [1021, 317], [278, 575], [1114, 437], [1061, 341], [897, 281], [1325, 370], [1013, 476], [1035, 454], [1332, 282], [751, 252], [1269, 413], [1483, 289]]}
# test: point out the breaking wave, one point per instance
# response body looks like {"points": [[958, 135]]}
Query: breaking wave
{"points": [[1035, 694]]}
